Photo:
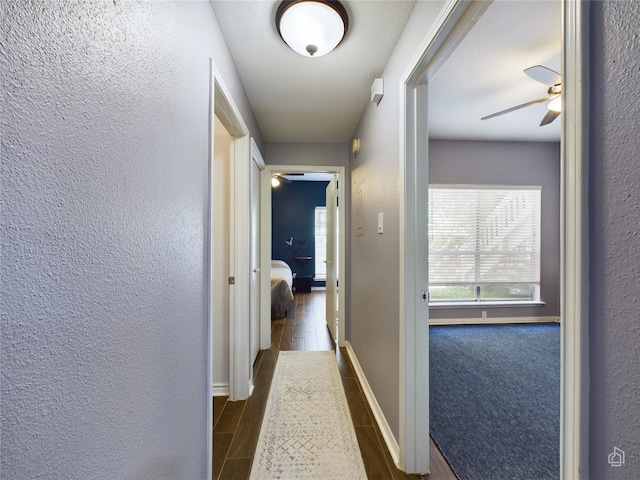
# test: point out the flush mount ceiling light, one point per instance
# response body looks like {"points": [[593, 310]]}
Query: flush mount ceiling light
{"points": [[312, 28]]}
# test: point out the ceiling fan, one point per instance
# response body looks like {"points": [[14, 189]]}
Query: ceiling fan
{"points": [[278, 178], [553, 80], [281, 176]]}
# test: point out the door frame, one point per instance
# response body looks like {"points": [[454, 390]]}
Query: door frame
{"points": [[454, 22], [221, 105], [332, 277], [256, 157], [265, 221]]}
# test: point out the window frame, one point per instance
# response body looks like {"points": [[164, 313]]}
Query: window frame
{"points": [[476, 298]]}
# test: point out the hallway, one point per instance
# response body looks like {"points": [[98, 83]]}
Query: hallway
{"points": [[237, 424]]}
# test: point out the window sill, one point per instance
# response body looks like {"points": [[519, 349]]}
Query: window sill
{"points": [[529, 303]]}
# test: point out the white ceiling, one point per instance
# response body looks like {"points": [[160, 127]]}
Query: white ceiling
{"points": [[485, 75], [319, 100]]}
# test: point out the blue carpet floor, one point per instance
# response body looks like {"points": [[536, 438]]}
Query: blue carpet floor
{"points": [[495, 400]]}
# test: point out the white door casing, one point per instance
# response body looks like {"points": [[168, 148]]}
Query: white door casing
{"points": [[265, 206], [257, 164], [223, 107], [332, 270]]}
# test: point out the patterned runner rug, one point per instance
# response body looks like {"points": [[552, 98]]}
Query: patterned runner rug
{"points": [[307, 431]]}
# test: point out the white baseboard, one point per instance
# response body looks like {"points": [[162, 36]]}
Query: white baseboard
{"points": [[220, 390], [492, 320], [387, 435]]}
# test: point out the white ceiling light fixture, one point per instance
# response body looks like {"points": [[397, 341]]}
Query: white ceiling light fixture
{"points": [[312, 28]]}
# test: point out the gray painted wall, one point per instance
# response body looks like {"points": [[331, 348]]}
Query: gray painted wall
{"points": [[317, 154], [373, 261], [105, 150], [614, 216], [614, 239], [508, 163]]}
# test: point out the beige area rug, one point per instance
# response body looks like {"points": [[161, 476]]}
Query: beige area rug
{"points": [[307, 431]]}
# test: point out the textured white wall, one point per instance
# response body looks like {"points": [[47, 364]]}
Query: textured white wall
{"points": [[105, 152], [614, 240]]}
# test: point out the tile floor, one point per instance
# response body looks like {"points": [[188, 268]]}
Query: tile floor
{"points": [[237, 424]]}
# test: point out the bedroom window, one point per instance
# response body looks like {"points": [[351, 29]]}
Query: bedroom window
{"points": [[484, 244], [321, 242]]}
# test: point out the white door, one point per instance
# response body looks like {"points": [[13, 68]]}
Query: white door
{"points": [[332, 258], [254, 295]]}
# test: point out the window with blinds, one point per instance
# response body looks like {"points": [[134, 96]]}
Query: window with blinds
{"points": [[321, 242], [484, 243]]}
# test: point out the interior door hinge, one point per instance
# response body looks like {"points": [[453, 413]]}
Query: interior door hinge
{"points": [[232, 280]]}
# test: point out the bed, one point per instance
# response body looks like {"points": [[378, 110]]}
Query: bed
{"points": [[281, 288]]}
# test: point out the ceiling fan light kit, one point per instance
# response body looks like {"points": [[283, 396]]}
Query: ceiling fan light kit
{"points": [[312, 28], [277, 180], [555, 104], [550, 78]]}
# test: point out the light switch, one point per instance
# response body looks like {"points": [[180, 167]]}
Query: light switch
{"points": [[380, 223]]}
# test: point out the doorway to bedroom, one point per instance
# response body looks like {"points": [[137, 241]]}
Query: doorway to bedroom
{"points": [[304, 229]]}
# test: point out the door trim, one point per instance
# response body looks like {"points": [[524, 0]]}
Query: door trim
{"points": [[254, 199], [574, 414], [332, 277], [264, 310], [221, 105], [454, 22], [266, 238]]}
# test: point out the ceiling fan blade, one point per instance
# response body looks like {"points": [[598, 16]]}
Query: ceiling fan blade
{"points": [[544, 75], [549, 117], [517, 107]]}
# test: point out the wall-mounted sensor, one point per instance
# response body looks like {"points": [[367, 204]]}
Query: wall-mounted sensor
{"points": [[377, 90]]}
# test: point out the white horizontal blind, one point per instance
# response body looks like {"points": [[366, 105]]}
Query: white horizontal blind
{"points": [[484, 235], [321, 242]]}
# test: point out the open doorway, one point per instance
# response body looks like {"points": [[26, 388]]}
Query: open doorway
{"points": [[494, 247], [229, 166], [296, 239], [455, 22], [220, 305]]}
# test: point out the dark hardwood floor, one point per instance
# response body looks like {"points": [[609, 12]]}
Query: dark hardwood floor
{"points": [[237, 424]]}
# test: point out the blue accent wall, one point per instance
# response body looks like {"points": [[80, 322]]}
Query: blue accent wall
{"points": [[293, 207]]}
